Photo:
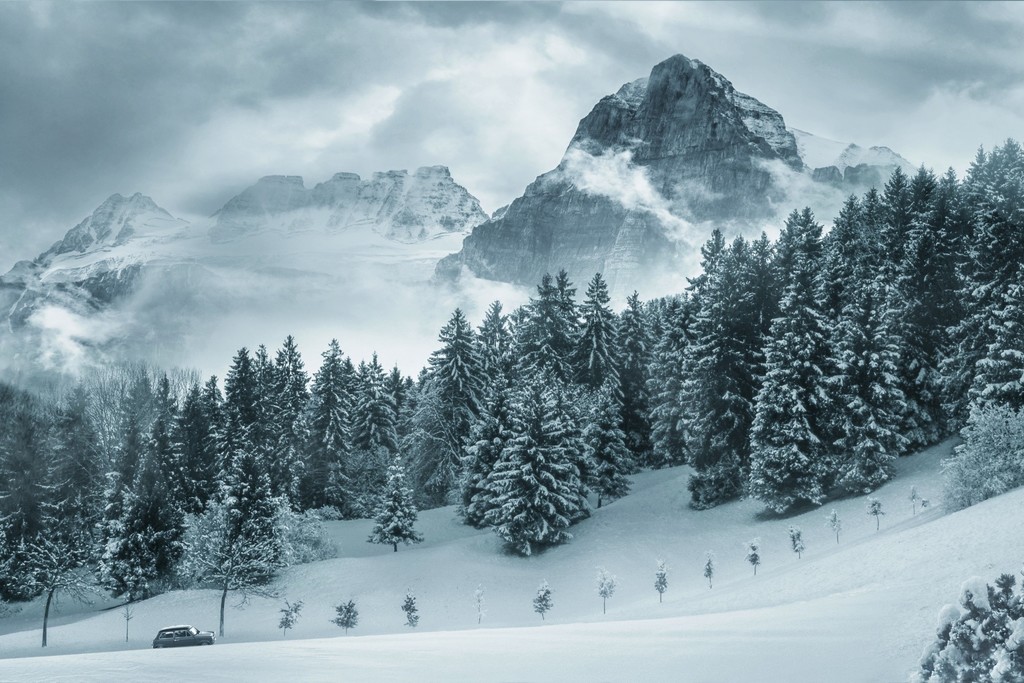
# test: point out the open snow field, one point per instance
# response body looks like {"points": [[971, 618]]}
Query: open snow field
{"points": [[860, 610]]}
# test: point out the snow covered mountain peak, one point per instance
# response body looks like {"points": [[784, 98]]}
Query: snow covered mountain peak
{"points": [[819, 153], [394, 204], [114, 222]]}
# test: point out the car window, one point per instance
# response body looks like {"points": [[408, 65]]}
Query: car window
{"points": [[193, 631], [167, 634]]}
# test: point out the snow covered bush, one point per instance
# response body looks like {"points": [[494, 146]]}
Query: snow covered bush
{"points": [[542, 602], [796, 541], [347, 616], [875, 510], [981, 640], [328, 513], [709, 567], [303, 535], [661, 579], [606, 584], [991, 459], [412, 613], [754, 554], [834, 523], [289, 616], [478, 602]]}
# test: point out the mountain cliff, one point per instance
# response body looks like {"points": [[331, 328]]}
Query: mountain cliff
{"points": [[648, 172]]}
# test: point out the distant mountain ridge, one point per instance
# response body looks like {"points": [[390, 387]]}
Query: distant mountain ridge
{"points": [[395, 204], [133, 269]]}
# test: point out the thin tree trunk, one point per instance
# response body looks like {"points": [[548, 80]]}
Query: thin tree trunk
{"points": [[604, 605], [659, 598], [878, 521], [46, 613], [223, 599], [395, 545], [599, 502]]}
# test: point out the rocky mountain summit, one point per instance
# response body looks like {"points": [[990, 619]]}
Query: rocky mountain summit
{"points": [[648, 173]]}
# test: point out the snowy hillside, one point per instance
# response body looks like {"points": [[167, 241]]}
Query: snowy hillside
{"points": [[859, 610]]}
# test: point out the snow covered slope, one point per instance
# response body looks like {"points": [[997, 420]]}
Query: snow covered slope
{"points": [[859, 610]]}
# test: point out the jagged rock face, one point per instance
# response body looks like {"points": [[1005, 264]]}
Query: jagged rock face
{"points": [[649, 173], [665, 152], [394, 204]]}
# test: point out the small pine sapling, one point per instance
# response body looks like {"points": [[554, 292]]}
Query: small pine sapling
{"points": [[606, 583], [412, 613], [796, 540], [914, 497], [709, 567], [542, 602], [754, 554], [289, 615], [347, 615], [875, 510], [661, 579], [478, 599], [128, 612], [834, 523]]}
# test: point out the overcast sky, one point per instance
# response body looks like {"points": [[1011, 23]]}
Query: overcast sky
{"points": [[191, 102]]}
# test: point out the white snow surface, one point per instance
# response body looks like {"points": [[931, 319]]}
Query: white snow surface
{"points": [[860, 610]]}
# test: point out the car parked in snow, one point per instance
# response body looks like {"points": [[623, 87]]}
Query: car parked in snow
{"points": [[181, 636]]}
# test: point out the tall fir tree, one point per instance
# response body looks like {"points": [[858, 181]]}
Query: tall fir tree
{"points": [[395, 517], [720, 366], [495, 340], [666, 381], [488, 439], [195, 443], [544, 337], [606, 447], [374, 421], [788, 454], [865, 355], [290, 393], [242, 408], [536, 485], [634, 361], [596, 352], [326, 478], [454, 394]]}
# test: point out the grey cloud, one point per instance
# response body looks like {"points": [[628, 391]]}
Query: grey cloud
{"points": [[97, 98]]}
